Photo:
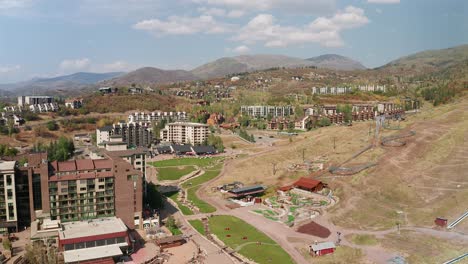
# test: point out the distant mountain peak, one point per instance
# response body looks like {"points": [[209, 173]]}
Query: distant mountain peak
{"points": [[336, 62]]}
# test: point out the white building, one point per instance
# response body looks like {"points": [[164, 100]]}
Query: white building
{"points": [[8, 208], [157, 117], [265, 110], [34, 100], [185, 133]]}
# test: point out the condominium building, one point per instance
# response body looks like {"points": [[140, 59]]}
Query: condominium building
{"points": [[8, 209], [185, 133], [264, 111], [34, 100], [138, 134], [78, 190], [157, 117]]}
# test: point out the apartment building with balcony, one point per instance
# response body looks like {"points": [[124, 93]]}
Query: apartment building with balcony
{"points": [[157, 117], [34, 100], [8, 208], [185, 133], [80, 190], [263, 111], [139, 134]]}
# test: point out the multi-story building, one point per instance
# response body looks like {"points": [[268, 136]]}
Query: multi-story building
{"points": [[8, 208], [157, 117], [78, 190], [42, 108], [138, 134], [34, 100], [185, 133], [264, 111]]}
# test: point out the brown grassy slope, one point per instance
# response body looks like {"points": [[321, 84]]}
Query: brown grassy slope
{"points": [[123, 103], [425, 179]]}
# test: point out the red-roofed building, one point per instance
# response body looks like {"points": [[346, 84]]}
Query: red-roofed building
{"points": [[308, 184]]}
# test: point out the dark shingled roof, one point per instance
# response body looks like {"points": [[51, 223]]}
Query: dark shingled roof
{"points": [[248, 189], [182, 148], [204, 149], [163, 149], [106, 128]]}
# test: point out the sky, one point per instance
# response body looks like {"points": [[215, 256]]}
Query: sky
{"points": [[46, 38]]}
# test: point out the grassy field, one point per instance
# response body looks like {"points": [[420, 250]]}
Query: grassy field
{"points": [[200, 162], [424, 249], [208, 175], [202, 205], [266, 252], [364, 240], [174, 173], [184, 209], [198, 225]]}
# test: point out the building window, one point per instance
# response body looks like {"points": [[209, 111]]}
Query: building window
{"points": [[83, 189], [69, 247], [37, 192], [90, 244], [64, 190], [101, 179], [8, 178], [9, 194]]}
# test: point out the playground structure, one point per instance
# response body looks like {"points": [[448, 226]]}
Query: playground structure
{"points": [[296, 206]]}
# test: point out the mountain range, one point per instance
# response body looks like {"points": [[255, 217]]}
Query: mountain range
{"points": [[419, 62]]}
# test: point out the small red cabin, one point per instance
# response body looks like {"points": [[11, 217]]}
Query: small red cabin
{"points": [[442, 222], [321, 249]]}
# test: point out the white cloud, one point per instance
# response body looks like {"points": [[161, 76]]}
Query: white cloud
{"points": [[323, 30], [378, 10], [9, 69], [181, 25], [243, 49], [383, 1], [301, 6], [70, 65], [235, 13]]}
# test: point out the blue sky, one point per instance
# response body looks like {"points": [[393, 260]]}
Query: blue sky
{"points": [[42, 38]]}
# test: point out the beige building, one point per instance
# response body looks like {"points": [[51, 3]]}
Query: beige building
{"points": [[8, 214], [185, 133]]}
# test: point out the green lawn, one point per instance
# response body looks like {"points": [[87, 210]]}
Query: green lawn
{"points": [[198, 225], [208, 175], [174, 173], [202, 205], [184, 209], [267, 252], [200, 162]]}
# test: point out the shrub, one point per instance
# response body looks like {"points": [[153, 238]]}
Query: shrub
{"points": [[52, 126]]}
